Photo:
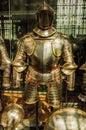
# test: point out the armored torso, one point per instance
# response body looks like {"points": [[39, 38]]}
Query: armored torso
{"points": [[46, 53]]}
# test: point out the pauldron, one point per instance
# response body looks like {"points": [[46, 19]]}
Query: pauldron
{"points": [[26, 46]]}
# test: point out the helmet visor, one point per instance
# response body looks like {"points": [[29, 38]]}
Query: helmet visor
{"points": [[44, 19]]}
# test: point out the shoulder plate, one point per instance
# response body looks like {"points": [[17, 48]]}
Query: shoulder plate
{"points": [[29, 44]]}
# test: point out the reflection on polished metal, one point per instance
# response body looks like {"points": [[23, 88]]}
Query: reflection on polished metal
{"points": [[45, 48], [12, 117], [5, 64], [67, 119], [82, 95]]}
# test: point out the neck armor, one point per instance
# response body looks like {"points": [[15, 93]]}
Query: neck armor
{"points": [[44, 33]]}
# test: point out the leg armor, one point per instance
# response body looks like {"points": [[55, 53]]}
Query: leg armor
{"points": [[31, 94], [51, 80], [54, 93]]}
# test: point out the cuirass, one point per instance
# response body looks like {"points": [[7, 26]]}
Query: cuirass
{"points": [[46, 55]]}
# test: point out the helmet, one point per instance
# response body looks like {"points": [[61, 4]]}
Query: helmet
{"points": [[66, 119], [12, 117], [45, 16]]}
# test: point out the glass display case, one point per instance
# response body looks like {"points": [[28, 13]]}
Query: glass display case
{"points": [[17, 18]]}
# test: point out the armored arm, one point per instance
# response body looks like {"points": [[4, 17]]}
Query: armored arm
{"points": [[19, 64], [5, 65], [82, 95], [69, 65]]}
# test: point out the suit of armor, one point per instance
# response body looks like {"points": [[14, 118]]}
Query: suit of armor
{"points": [[45, 48], [5, 64]]}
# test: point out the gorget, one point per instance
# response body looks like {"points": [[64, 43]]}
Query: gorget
{"points": [[44, 33]]}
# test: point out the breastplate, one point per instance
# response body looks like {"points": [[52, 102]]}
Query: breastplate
{"points": [[44, 53], [44, 58]]}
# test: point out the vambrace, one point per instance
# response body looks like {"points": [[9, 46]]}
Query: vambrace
{"points": [[6, 77], [69, 66], [19, 66], [5, 65], [19, 61], [82, 95], [71, 81]]}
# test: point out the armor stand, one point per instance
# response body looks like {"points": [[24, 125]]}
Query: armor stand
{"points": [[37, 121]]}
